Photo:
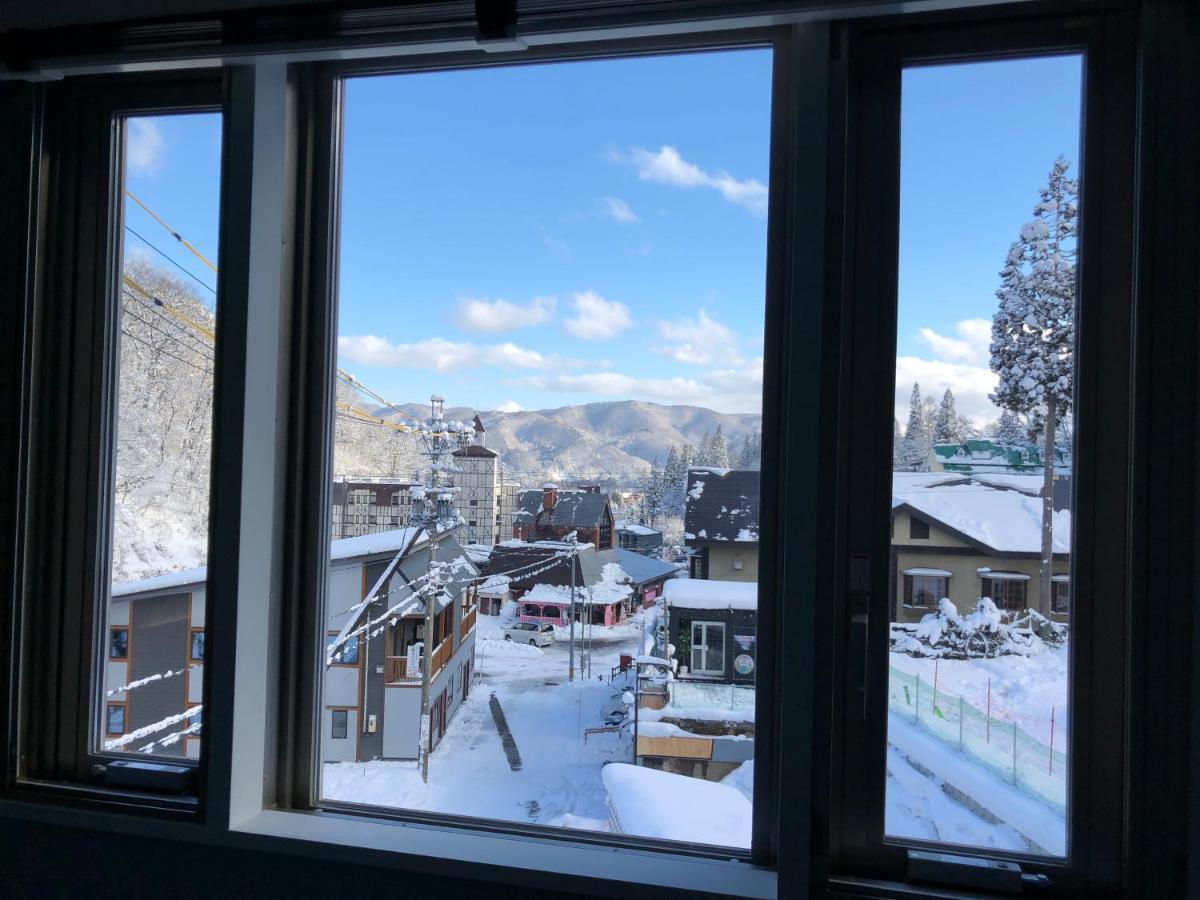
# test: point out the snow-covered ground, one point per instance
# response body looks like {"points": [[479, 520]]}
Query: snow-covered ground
{"points": [[935, 792], [1023, 689], [559, 782]]}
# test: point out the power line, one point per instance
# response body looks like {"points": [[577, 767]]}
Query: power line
{"points": [[130, 334], [171, 231], [205, 352], [181, 268]]}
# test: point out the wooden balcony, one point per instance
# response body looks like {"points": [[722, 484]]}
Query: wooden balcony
{"points": [[396, 670], [467, 623]]}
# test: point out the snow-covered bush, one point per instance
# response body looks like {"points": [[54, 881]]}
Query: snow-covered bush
{"points": [[984, 632]]}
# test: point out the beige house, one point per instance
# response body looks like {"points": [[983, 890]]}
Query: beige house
{"points": [[720, 523], [964, 538]]}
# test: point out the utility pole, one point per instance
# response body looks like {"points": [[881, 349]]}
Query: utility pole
{"points": [[573, 557], [433, 509]]}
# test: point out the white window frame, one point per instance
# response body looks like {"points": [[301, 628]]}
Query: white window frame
{"points": [[706, 626]]}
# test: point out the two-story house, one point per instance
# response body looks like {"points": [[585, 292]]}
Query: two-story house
{"points": [[552, 513], [720, 523], [966, 537]]}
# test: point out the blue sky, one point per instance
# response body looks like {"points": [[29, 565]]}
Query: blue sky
{"points": [[540, 235]]}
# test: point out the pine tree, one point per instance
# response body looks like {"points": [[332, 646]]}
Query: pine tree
{"points": [[947, 423], [751, 455], [916, 434], [1009, 430], [718, 451], [1033, 332], [897, 447]]}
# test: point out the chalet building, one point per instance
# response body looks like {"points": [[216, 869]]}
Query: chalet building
{"points": [[710, 645], [647, 576], [369, 506], [638, 537], [486, 501], [604, 590], [970, 537], [720, 523], [984, 456], [552, 513], [372, 692]]}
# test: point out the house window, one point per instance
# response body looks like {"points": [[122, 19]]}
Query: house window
{"points": [[396, 497], [925, 590], [347, 654], [118, 643], [708, 648], [474, 502], [196, 646], [114, 718], [1060, 595], [471, 523], [918, 529], [1006, 593], [340, 724], [361, 497]]}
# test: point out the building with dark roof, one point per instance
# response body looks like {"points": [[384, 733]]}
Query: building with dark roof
{"points": [[552, 513], [720, 523]]}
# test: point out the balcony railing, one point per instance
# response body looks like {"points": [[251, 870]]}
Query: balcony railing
{"points": [[467, 623], [397, 671]]}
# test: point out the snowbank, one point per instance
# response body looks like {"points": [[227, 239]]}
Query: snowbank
{"points": [[662, 805], [694, 593], [493, 647]]}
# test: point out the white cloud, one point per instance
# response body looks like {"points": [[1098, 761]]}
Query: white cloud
{"points": [[509, 406], [618, 210], [441, 355], [145, 147], [597, 318], [484, 315], [667, 166], [970, 384], [970, 347], [701, 341]]}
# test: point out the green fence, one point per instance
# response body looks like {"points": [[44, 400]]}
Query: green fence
{"points": [[1000, 745]]}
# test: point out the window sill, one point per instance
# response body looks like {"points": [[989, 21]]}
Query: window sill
{"points": [[513, 858]]}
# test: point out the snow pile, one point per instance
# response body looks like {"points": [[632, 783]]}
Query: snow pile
{"points": [[673, 807], [984, 632], [694, 593], [493, 647], [742, 778]]}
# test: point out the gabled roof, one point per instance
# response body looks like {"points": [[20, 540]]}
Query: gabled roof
{"points": [[992, 518], [640, 569], [721, 505], [476, 450], [571, 509]]}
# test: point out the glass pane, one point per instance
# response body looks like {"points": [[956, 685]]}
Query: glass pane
{"points": [[978, 676], [584, 285], [167, 292]]}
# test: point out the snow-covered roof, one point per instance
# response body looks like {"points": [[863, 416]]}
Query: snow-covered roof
{"points": [[664, 805], [601, 594], [369, 544], [346, 548], [1000, 519], [721, 505], [640, 569], [183, 578], [636, 528], [695, 593], [925, 570]]}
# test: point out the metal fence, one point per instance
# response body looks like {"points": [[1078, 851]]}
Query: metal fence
{"points": [[997, 743]]}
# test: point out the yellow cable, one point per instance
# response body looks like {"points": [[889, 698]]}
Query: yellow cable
{"points": [[171, 231]]}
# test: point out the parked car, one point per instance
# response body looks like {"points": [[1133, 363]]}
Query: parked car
{"points": [[534, 633]]}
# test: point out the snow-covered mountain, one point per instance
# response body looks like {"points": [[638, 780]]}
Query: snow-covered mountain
{"points": [[619, 438]]}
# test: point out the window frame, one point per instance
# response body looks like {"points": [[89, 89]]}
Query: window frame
{"points": [[878, 51], [916, 525], [705, 627], [318, 106], [111, 631], [71, 299]]}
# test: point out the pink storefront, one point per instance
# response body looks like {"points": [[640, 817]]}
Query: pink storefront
{"points": [[551, 604]]}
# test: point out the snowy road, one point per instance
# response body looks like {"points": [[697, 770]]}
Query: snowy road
{"points": [[559, 780]]}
